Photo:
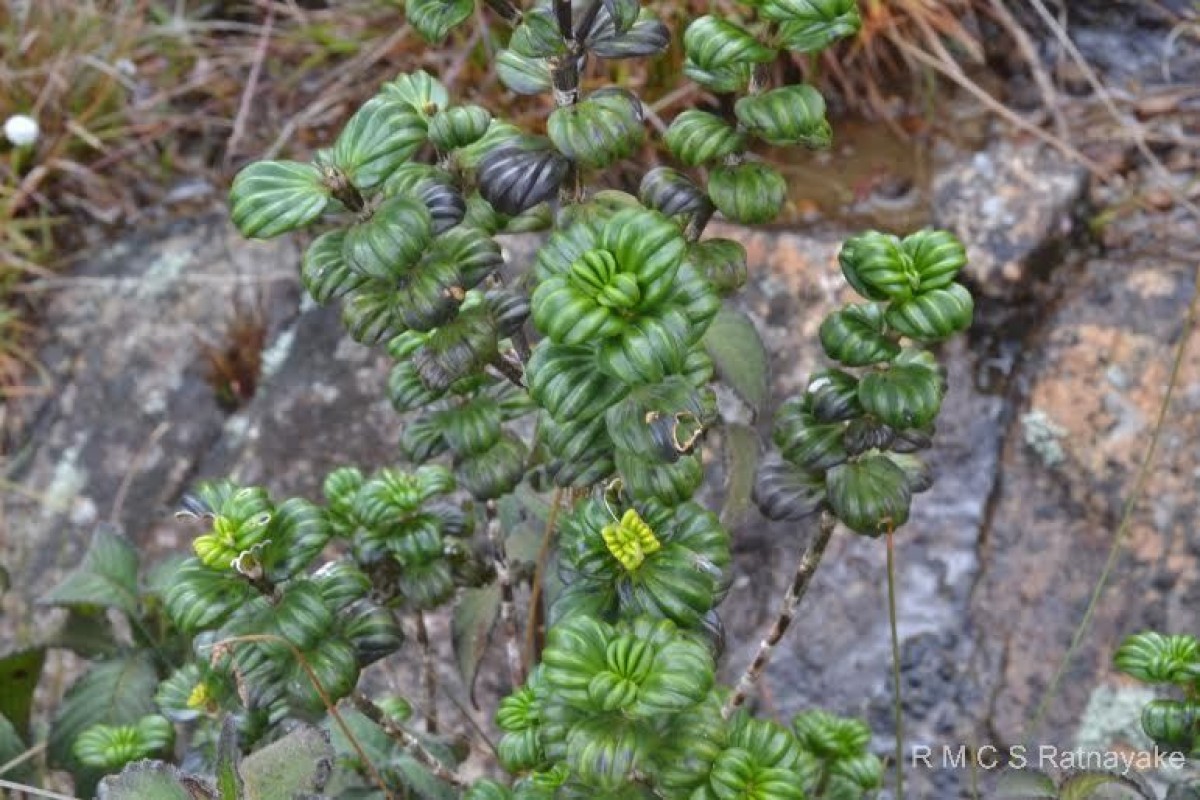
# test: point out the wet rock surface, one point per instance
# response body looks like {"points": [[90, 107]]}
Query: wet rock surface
{"points": [[994, 568]]}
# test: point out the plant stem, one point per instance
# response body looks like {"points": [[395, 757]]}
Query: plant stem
{"points": [[510, 370], [428, 675], [533, 638], [787, 611], [506, 11], [508, 612], [899, 708], [410, 743]]}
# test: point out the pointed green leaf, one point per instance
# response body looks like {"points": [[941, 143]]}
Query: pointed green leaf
{"points": [[116, 692], [12, 748], [739, 355], [273, 197], [19, 675], [106, 577], [471, 628]]}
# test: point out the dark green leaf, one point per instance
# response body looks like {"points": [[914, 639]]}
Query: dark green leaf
{"points": [[933, 315], [784, 491], [854, 336], [673, 193], [19, 675], [516, 176], [106, 577], [648, 36], [116, 692], [86, 633], [323, 270], [12, 748], [871, 496], [739, 356], [471, 628]]}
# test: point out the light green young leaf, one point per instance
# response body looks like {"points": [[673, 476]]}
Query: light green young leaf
{"points": [[739, 356], [273, 197], [106, 577]]}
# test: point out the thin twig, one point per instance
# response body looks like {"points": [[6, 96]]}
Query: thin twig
{"points": [[330, 706], [508, 613], [21, 759], [260, 55], [20, 787], [428, 675], [533, 627], [1029, 52], [411, 744], [510, 369], [952, 71], [787, 612]]}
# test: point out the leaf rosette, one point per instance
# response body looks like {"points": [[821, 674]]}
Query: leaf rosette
{"points": [[671, 563]]}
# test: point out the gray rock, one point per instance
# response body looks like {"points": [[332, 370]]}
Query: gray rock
{"points": [[1014, 207]]}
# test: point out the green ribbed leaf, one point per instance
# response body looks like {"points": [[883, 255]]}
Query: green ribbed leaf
{"points": [[1157, 658], [713, 43], [811, 25], [420, 90], [522, 74], [389, 243], [496, 471], [372, 631], [298, 532], [730, 78], [116, 692], [832, 396], [878, 267], [670, 484], [199, 598], [106, 576], [434, 187], [434, 19], [722, 262], [110, 747], [751, 193], [564, 380], [739, 356], [696, 137], [324, 272], [854, 336], [807, 443], [624, 13], [334, 664], [368, 315], [937, 257], [870, 495], [600, 130], [383, 134], [537, 36], [273, 197], [1173, 723], [932, 316], [787, 115], [452, 128], [902, 396]]}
